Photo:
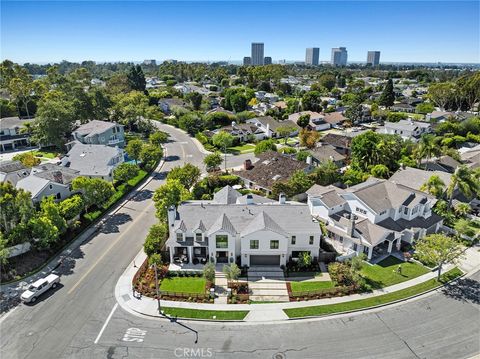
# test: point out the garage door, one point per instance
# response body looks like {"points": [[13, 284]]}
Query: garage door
{"points": [[265, 260]]}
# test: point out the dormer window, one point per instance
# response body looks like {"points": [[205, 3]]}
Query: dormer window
{"points": [[180, 237], [198, 237]]}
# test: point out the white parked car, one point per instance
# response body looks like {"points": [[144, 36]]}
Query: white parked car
{"points": [[39, 287]]}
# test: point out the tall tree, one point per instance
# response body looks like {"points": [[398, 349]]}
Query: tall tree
{"points": [[95, 191], [212, 161], [187, 175], [441, 93], [387, 97], [434, 185], [464, 180], [136, 78], [196, 100], [134, 148], [169, 194], [223, 140]]}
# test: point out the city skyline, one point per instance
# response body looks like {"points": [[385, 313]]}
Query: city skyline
{"points": [[45, 31]]}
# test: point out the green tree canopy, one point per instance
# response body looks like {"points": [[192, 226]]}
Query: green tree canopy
{"points": [[124, 172], [169, 194], [187, 175], [95, 191], [264, 146]]}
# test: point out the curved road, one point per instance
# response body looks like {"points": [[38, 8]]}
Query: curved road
{"points": [[72, 322]]}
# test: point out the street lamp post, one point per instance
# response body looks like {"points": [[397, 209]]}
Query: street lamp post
{"points": [[156, 286]]}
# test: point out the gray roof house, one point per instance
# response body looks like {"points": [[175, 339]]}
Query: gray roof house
{"points": [[325, 152], [408, 129], [94, 161], [249, 229], [100, 133], [11, 136], [48, 180], [373, 216], [13, 171]]}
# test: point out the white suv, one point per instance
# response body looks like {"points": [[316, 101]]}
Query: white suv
{"points": [[39, 287]]}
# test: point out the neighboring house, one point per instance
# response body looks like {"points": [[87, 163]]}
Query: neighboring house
{"points": [[11, 136], [471, 156], [341, 143], [408, 129], [335, 119], [317, 120], [374, 216], [415, 178], [49, 180], [325, 152], [270, 168], [269, 126], [403, 107], [266, 96], [442, 163], [248, 229], [166, 104], [100, 133], [242, 131], [94, 161], [13, 171], [439, 116]]}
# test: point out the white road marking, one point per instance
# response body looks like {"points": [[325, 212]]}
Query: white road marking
{"points": [[106, 323], [134, 335]]}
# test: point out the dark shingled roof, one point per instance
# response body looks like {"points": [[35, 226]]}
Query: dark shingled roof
{"points": [[11, 166]]}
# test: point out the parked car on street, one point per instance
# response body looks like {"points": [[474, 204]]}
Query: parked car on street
{"points": [[39, 287]]}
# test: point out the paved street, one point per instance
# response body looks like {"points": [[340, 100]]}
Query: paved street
{"points": [[82, 320]]}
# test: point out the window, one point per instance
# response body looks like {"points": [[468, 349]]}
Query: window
{"points": [[294, 239], [405, 210], [399, 209], [273, 244], [311, 240], [340, 239], [254, 244], [50, 186], [383, 212], [222, 241], [198, 237], [59, 196], [415, 209], [361, 210], [179, 236]]}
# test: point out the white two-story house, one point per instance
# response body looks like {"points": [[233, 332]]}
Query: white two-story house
{"points": [[249, 229], [408, 129], [374, 216]]}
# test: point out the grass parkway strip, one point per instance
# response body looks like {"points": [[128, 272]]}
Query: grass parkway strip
{"points": [[373, 301], [205, 314]]}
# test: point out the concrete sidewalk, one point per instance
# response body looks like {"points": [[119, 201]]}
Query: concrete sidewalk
{"points": [[264, 312]]}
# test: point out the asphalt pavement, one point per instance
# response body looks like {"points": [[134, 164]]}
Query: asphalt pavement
{"points": [[81, 318]]}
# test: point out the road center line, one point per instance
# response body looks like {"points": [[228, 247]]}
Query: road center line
{"points": [[106, 323], [108, 250]]}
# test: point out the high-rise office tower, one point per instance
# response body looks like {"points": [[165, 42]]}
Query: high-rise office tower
{"points": [[373, 58], [339, 56], [257, 53], [312, 56], [267, 60], [247, 60]]}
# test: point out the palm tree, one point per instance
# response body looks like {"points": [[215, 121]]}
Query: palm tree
{"points": [[466, 181], [461, 209], [428, 147], [434, 185]]}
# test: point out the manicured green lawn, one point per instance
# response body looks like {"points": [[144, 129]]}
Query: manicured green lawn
{"points": [[310, 286], [384, 273], [184, 284], [205, 314], [44, 154], [304, 274], [374, 301], [246, 148]]}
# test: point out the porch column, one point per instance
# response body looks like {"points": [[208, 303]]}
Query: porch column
{"points": [[370, 253], [190, 254], [170, 250], [390, 245], [399, 240]]}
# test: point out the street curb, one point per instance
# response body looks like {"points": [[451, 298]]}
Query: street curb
{"points": [[381, 305]]}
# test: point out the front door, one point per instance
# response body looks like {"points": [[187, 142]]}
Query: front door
{"points": [[222, 257]]}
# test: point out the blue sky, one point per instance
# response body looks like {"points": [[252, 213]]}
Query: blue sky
{"points": [[406, 31]]}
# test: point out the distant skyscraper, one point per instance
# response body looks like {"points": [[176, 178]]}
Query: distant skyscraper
{"points": [[257, 53], [339, 56], [267, 60], [247, 60], [150, 62], [312, 56], [373, 58]]}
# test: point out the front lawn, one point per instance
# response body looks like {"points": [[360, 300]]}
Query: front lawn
{"points": [[45, 154], [205, 314], [245, 148], [195, 285], [310, 286], [384, 273], [374, 301]]}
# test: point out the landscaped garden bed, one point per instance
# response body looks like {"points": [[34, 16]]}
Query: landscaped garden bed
{"points": [[373, 301], [298, 291], [240, 293]]}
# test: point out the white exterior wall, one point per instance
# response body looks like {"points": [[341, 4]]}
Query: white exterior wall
{"points": [[53, 191], [212, 245], [264, 237]]}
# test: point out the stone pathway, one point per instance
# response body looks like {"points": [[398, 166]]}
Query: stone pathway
{"points": [[221, 286], [267, 284]]}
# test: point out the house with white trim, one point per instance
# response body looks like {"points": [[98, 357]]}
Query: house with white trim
{"points": [[248, 229], [373, 217]]}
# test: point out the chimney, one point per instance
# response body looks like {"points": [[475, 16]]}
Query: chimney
{"points": [[172, 215], [351, 224], [268, 130], [57, 177], [247, 165], [309, 160], [282, 198], [249, 198]]}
